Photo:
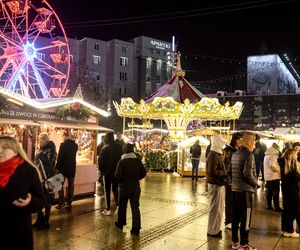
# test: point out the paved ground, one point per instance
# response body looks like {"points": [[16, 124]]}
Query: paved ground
{"points": [[174, 216]]}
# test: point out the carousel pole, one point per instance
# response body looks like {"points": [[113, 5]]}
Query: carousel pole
{"points": [[123, 124]]}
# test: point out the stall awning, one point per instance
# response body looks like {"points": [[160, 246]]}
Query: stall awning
{"points": [[18, 122], [76, 126]]}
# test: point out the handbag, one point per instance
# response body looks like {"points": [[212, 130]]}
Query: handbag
{"points": [[52, 184]]}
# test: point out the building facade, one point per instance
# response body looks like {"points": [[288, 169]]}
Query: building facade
{"points": [[115, 69]]}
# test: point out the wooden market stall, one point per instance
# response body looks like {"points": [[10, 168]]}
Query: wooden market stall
{"points": [[25, 119]]}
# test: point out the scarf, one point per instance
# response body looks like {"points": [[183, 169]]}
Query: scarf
{"points": [[8, 168]]}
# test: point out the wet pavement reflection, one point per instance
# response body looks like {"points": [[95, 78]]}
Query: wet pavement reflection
{"points": [[174, 216]]}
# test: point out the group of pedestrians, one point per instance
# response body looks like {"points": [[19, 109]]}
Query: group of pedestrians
{"points": [[122, 170], [232, 182]]}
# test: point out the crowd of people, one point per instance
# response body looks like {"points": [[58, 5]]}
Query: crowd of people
{"points": [[232, 177], [23, 188]]}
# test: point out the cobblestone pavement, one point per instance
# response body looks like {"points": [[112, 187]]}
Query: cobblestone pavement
{"points": [[174, 216]]}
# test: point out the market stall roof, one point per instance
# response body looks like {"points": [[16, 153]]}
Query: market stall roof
{"points": [[76, 126], [178, 88], [191, 140], [18, 122], [49, 103]]}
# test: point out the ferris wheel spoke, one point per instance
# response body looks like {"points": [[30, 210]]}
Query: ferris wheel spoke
{"points": [[40, 81], [52, 46], [5, 66], [8, 40], [38, 34], [10, 85], [51, 68], [11, 22]]}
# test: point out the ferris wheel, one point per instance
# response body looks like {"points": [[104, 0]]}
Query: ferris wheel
{"points": [[34, 50]]}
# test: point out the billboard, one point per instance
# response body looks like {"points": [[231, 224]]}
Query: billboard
{"points": [[268, 74]]}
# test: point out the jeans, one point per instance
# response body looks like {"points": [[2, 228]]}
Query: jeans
{"points": [[195, 166], [273, 188], [70, 194], [228, 204], [110, 182]]}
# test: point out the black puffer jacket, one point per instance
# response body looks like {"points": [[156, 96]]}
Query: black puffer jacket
{"points": [[48, 156], [129, 171], [228, 152], [66, 159], [109, 156], [243, 171]]}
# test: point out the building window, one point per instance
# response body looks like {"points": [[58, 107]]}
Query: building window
{"points": [[158, 52], [148, 78], [123, 61], [96, 60], [124, 49], [71, 59], [148, 62], [123, 76], [157, 78], [169, 66], [96, 46], [158, 65], [151, 51]]}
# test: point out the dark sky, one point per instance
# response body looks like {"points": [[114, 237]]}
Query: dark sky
{"points": [[232, 34]]}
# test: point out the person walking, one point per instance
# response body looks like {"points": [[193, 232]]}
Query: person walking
{"points": [[109, 156], [234, 145], [47, 156], [20, 195], [216, 179], [129, 172], [272, 176], [66, 164], [195, 152], [290, 182], [99, 147], [243, 185]]}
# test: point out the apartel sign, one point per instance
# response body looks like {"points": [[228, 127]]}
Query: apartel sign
{"points": [[160, 45]]}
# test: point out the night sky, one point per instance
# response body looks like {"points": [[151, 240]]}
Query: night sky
{"points": [[229, 34]]}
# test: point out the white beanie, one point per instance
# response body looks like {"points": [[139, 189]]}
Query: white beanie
{"points": [[217, 144]]}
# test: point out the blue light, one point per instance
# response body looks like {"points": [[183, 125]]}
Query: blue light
{"points": [[29, 51]]}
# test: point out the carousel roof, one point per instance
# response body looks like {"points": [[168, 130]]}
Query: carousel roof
{"points": [[178, 88]]}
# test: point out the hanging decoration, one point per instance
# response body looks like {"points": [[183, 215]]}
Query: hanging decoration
{"points": [[76, 110]]}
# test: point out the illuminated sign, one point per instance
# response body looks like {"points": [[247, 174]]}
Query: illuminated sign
{"points": [[160, 45]]}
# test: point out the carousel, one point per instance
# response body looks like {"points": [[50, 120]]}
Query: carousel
{"points": [[178, 104]]}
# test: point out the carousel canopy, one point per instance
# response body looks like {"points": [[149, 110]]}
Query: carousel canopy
{"points": [[178, 88]]}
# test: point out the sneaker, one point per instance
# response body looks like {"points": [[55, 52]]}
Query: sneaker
{"points": [[235, 245], [135, 231], [291, 235], [246, 247], [60, 206], [68, 205], [106, 212], [116, 212], [217, 235], [118, 225], [228, 226], [278, 209]]}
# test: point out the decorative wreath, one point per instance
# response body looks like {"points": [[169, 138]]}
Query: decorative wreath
{"points": [[75, 110]]}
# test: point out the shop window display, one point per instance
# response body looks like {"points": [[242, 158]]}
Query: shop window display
{"points": [[84, 138], [16, 131]]}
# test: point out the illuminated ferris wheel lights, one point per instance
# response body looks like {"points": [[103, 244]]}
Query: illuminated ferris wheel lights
{"points": [[29, 51]]}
